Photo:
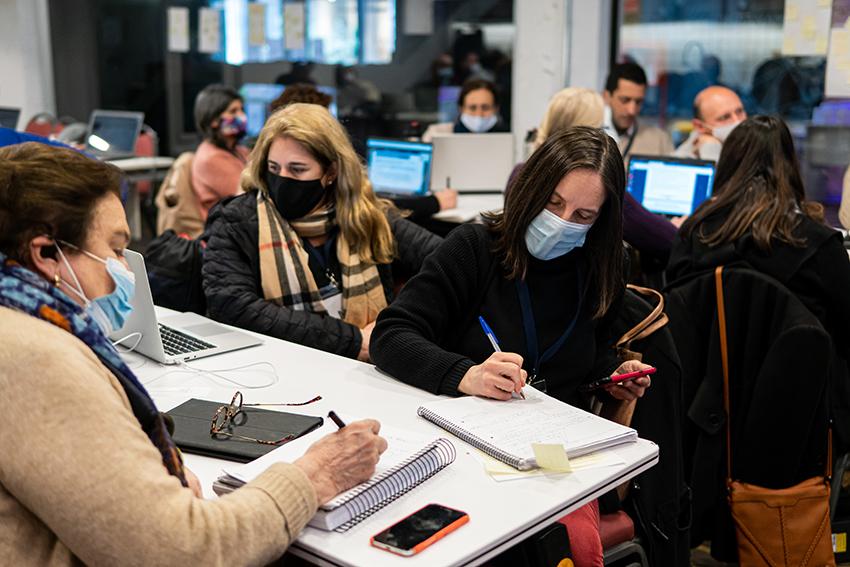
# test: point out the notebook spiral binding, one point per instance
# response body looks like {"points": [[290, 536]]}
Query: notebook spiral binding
{"points": [[473, 440], [397, 481]]}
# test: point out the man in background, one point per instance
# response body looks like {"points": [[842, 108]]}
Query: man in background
{"points": [[625, 91], [717, 110]]}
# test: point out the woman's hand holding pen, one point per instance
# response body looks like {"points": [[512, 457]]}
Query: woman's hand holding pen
{"points": [[631, 389], [343, 459], [498, 377]]}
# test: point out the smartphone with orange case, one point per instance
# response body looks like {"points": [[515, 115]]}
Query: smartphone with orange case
{"points": [[420, 529]]}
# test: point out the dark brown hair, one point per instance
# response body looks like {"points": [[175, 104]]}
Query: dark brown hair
{"points": [[301, 92], [572, 149], [45, 190], [473, 85], [758, 186]]}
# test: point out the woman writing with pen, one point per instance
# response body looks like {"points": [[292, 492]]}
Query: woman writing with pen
{"points": [[546, 275]]}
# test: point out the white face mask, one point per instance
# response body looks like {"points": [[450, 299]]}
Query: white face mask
{"points": [[549, 236], [478, 124], [722, 132]]}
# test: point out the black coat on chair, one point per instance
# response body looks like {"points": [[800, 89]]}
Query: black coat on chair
{"points": [[780, 358]]}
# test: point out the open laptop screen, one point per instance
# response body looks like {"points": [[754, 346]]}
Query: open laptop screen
{"points": [[399, 167], [9, 117], [114, 132], [670, 186]]}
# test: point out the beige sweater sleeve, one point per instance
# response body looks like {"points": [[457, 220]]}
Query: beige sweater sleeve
{"points": [[75, 456]]}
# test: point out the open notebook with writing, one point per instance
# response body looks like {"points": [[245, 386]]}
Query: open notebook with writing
{"points": [[409, 460], [505, 430]]}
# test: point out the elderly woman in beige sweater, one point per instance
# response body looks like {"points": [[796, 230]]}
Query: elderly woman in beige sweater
{"points": [[88, 472]]}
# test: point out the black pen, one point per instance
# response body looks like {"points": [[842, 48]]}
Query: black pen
{"points": [[335, 418]]}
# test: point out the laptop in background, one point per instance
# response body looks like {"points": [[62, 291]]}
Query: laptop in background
{"points": [[176, 339], [399, 168], [112, 134], [670, 186], [9, 117], [472, 163]]}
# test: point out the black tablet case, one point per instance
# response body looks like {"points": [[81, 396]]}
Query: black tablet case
{"points": [[192, 430]]}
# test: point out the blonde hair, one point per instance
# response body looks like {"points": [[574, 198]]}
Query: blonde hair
{"points": [[362, 217], [572, 106]]}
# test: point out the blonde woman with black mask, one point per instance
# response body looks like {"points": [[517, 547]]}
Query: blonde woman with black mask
{"points": [[308, 253]]}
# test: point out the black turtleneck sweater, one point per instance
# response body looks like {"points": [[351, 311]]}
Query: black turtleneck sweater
{"points": [[430, 336]]}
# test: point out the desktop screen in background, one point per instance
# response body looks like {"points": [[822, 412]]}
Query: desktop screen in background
{"points": [[257, 98], [399, 167], [669, 187], [447, 103]]}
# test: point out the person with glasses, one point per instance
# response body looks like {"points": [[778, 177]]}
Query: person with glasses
{"points": [[89, 472], [547, 275]]}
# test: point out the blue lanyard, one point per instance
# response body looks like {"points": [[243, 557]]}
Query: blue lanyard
{"points": [[531, 329]]}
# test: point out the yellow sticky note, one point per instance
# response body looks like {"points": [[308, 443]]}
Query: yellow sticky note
{"points": [[839, 542], [788, 46], [551, 456], [821, 45], [791, 12], [825, 3], [847, 24], [809, 28]]}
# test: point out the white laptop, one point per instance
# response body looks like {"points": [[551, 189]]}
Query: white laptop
{"points": [[112, 134], [472, 163], [178, 338]]}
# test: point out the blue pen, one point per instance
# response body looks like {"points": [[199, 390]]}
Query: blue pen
{"points": [[493, 341]]}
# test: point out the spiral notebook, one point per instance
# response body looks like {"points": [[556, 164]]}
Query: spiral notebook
{"points": [[409, 461], [505, 430]]}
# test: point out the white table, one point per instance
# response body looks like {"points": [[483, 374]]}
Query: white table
{"points": [[470, 206], [501, 514], [140, 169]]}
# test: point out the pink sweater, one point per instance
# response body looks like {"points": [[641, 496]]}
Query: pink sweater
{"points": [[215, 174]]}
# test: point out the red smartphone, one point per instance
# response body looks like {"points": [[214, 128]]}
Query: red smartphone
{"points": [[616, 379], [417, 531]]}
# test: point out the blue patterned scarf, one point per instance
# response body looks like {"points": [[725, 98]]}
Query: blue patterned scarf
{"points": [[24, 291]]}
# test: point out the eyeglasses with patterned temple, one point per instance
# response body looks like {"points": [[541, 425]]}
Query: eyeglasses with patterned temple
{"points": [[227, 417]]}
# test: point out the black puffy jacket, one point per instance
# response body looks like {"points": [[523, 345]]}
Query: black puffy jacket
{"points": [[231, 276]]}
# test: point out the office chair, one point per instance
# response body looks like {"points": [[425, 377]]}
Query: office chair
{"points": [[43, 124]]}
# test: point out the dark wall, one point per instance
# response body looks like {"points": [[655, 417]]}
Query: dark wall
{"points": [[73, 34]]}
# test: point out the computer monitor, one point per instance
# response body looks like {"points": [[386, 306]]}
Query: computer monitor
{"points": [[9, 117], [398, 167], [113, 133], [670, 186], [447, 103], [257, 99]]}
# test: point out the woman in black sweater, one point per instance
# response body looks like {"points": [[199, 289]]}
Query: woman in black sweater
{"points": [[546, 274]]}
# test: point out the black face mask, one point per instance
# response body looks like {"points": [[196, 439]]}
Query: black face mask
{"points": [[292, 197]]}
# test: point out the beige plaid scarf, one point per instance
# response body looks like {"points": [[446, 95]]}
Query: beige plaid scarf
{"points": [[286, 277]]}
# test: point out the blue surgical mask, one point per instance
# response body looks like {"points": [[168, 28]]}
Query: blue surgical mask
{"points": [[110, 311], [549, 236], [478, 124]]}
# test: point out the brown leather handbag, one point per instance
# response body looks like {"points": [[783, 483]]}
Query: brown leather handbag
{"points": [[651, 323], [775, 527]]}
